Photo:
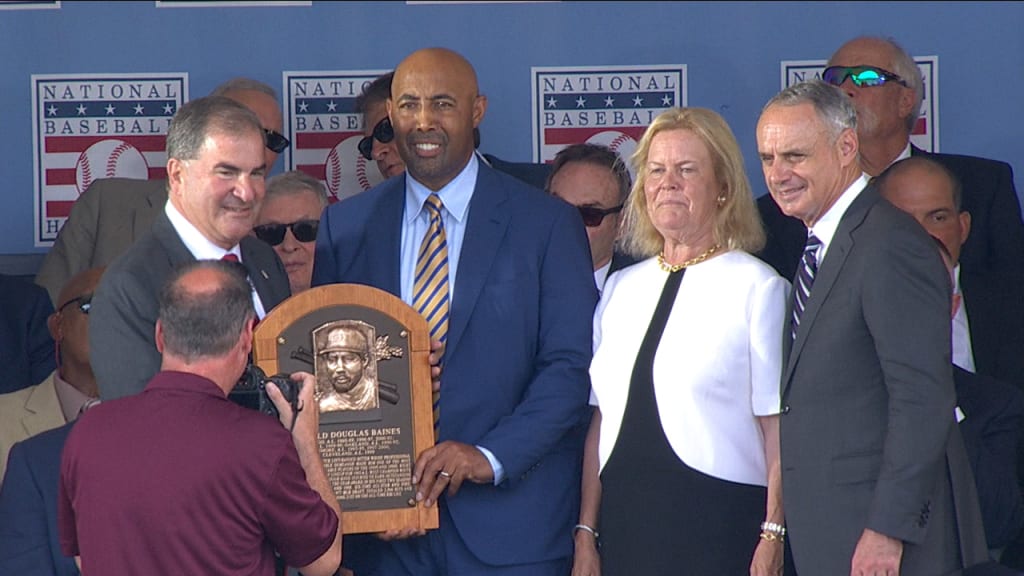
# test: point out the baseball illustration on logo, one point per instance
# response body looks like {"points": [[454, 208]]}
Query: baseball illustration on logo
{"points": [[107, 159], [618, 142], [346, 172]]}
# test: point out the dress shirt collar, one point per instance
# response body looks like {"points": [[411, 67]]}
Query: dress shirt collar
{"points": [[825, 228], [455, 195], [903, 155], [70, 398], [963, 351], [199, 245], [600, 275]]}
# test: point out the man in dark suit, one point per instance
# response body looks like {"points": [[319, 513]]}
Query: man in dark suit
{"points": [[29, 543], [873, 478], [993, 409], [988, 330], [516, 308], [215, 172], [887, 112], [26, 348], [114, 212]]}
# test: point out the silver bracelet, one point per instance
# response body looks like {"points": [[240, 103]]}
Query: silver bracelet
{"points": [[585, 528], [773, 528]]}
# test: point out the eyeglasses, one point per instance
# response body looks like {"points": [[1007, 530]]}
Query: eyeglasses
{"points": [[273, 234], [592, 217], [859, 75], [383, 132], [276, 142], [83, 303]]}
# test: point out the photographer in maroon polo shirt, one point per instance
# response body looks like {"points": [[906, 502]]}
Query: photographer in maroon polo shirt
{"points": [[180, 480]]}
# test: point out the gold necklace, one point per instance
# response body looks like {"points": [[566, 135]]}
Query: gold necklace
{"points": [[696, 260]]}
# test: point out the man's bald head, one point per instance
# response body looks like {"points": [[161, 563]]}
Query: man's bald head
{"points": [[435, 106], [82, 284], [69, 327], [436, 58]]}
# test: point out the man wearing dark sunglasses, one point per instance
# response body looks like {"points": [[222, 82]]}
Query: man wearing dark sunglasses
{"points": [[289, 220], [32, 427], [113, 212], [886, 88], [378, 143], [60, 397], [593, 179]]}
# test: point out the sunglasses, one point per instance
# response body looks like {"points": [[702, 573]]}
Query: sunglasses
{"points": [[382, 132], [276, 142], [83, 303], [859, 75], [273, 234], [592, 217]]}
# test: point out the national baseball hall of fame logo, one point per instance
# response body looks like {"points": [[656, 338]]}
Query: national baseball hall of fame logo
{"points": [[610, 105], [925, 134], [90, 126], [325, 130]]}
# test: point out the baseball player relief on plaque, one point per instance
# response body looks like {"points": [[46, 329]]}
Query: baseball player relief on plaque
{"points": [[369, 352]]}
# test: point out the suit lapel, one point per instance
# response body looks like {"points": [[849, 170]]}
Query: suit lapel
{"points": [[151, 206], [40, 407], [828, 271], [383, 242], [485, 229], [265, 276], [176, 251]]}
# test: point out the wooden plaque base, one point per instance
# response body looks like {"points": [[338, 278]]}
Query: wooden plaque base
{"points": [[365, 339]]}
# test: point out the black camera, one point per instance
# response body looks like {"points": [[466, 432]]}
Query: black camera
{"points": [[251, 391]]}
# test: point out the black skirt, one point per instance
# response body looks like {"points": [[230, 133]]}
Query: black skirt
{"points": [[658, 515]]}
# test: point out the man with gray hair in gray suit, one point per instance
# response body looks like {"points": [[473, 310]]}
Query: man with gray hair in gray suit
{"points": [[112, 213], [872, 467], [215, 172]]}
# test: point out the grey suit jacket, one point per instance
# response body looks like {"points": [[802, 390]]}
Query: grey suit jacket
{"points": [[124, 309], [867, 403], [108, 217]]}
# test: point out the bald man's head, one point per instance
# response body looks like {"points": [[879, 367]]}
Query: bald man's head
{"points": [[69, 327], [434, 107]]}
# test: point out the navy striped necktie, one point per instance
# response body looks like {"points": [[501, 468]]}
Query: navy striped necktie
{"points": [[804, 280]]}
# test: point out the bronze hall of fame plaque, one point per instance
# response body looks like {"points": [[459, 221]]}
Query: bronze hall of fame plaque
{"points": [[370, 353]]}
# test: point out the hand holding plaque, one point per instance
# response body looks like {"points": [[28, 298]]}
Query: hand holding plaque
{"points": [[448, 465], [370, 354]]}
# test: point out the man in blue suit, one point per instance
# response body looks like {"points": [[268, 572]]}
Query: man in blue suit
{"points": [[29, 543], [520, 296], [26, 348]]}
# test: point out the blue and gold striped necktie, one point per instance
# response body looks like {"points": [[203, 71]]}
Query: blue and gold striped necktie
{"points": [[430, 287]]}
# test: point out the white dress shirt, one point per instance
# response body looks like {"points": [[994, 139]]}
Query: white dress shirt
{"points": [[826, 226], [963, 352], [600, 275], [202, 249]]}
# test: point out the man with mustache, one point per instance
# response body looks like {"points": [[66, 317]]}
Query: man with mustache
{"points": [[215, 173]]}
